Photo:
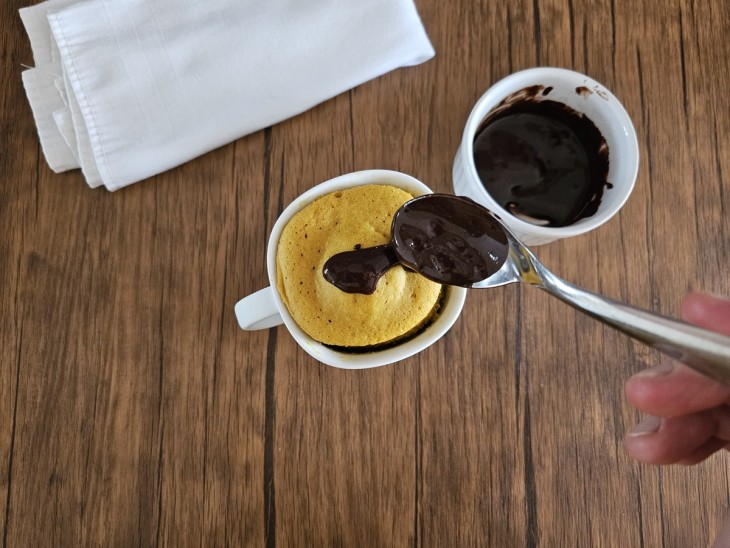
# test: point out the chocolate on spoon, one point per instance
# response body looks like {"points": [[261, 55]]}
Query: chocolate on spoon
{"points": [[448, 239]]}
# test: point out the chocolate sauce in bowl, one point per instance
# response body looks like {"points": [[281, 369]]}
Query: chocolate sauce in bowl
{"points": [[448, 239], [542, 161]]}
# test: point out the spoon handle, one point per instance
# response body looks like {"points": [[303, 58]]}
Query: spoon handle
{"points": [[706, 351]]}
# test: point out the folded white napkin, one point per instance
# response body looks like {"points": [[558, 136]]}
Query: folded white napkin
{"points": [[125, 89]]}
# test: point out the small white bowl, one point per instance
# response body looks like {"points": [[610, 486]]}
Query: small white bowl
{"points": [[582, 94]]}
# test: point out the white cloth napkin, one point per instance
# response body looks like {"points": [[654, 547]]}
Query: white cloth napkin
{"points": [[126, 89]]}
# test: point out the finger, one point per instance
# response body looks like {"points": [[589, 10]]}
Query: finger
{"points": [[707, 311], [710, 447], [666, 441], [673, 389]]}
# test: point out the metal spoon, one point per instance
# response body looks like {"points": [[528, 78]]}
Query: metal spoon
{"points": [[705, 351], [455, 241]]}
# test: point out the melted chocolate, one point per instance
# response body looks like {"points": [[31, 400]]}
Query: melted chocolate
{"points": [[359, 270], [448, 239], [542, 161]]}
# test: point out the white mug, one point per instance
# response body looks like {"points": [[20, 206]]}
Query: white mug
{"points": [[582, 94], [265, 308]]}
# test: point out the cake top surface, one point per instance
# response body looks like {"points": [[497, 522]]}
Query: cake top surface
{"points": [[340, 221]]}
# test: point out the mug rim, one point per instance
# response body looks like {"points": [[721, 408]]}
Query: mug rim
{"points": [[514, 82], [447, 315]]}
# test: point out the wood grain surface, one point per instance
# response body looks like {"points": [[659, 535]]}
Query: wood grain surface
{"points": [[135, 412]]}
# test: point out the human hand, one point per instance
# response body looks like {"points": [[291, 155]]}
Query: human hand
{"points": [[689, 414]]}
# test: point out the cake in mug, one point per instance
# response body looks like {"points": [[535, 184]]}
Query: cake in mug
{"points": [[403, 302]]}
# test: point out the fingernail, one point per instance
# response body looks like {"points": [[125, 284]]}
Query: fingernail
{"points": [[659, 371], [647, 427]]}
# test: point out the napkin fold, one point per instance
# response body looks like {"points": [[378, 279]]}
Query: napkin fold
{"points": [[126, 89]]}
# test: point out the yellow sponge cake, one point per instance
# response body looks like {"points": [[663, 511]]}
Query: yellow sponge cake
{"points": [[341, 221]]}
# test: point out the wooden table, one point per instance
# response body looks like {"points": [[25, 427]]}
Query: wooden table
{"points": [[134, 411]]}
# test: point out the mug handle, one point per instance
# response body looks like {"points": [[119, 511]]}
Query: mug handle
{"points": [[258, 310]]}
